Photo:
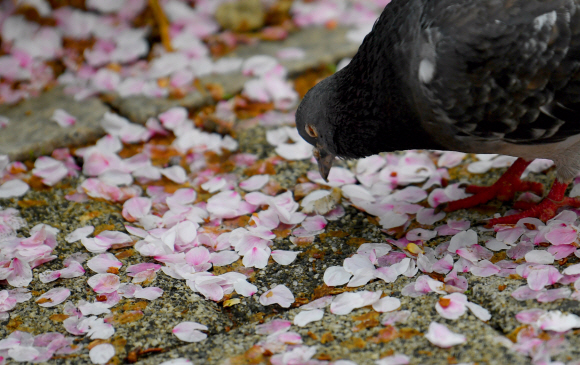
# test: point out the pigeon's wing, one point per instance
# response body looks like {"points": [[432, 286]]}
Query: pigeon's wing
{"points": [[502, 69]]}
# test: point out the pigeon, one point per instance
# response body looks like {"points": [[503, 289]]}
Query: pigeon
{"points": [[476, 76]]}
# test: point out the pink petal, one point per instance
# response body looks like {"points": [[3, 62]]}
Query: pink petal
{"points": [[420, 234], [53, 297], [562, 236], [63, 118], [79, 233], [149, 293], [275, 326], [572, 270], [558, 322], [21, 273], [552, 295], [284, 257], [336, 275], [357, 193], [346, 302], [294, 151], [455, 306], [428, 216], [245, 289], [462, 239], [104, 263], [392, 220], [561, 251], [315, 224], [397, 359], [175, 173], [197, 256], [135, 208], [539, 257], [387, 304], [101, 354], [223, 258], [530, 316], [440, 335], [524, 293], [256, 257], [450, 159], [50, 170], [13, 188], [190, 331], [309, 316], [279, 295], [478, 311], [318, 303], [173, 118], [255, 182], [484, 269], [104, 283]]}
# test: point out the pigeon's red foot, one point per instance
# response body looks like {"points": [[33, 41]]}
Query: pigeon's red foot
{"points": [[504, 189], [544, 210]]}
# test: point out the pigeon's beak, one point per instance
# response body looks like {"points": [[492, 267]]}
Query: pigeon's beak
{"points": [[324, 159]]}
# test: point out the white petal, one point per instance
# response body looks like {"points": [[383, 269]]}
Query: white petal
{"points": [[308, 316]]}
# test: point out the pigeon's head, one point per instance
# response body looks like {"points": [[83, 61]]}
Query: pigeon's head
{"points": [[314, 124]]}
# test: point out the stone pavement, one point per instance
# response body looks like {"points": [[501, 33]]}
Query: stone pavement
{"points": [[143, 329]]}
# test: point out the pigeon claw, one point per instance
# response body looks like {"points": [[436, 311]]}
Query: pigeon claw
{"points": [[325, 160]]}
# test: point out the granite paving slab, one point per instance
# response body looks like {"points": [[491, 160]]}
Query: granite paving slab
{"points": [[31, 133]]}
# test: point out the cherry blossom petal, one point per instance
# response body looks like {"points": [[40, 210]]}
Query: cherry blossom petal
{"points": [[224, 258], [392, 220], [256, 257], [387, 304], [105, 263], [136, 208], [255, 182], [272, 327], [102, 353], [53, 297], [462, 239], [279, 295], [62, 118], [318, 303], [572, 270], [190, 331], [558, 321], [13, 188], [336, 275], [79, 233], [104, 283], [562, 236], [397, 359], [440, 335], [452, 306], [284, 257], [346, 302], [308, 316], [478, 311], [484, 268], [149, 293], [450, 159], [524, 293], [428, 216], [175, 173], [539, 257]]}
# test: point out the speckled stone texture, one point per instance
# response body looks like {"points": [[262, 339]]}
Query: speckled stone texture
{"points": [[31, 133], [321, 46], [146, 326]]}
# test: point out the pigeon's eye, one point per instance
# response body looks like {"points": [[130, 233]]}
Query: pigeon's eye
{"points": [[311, 131]]}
